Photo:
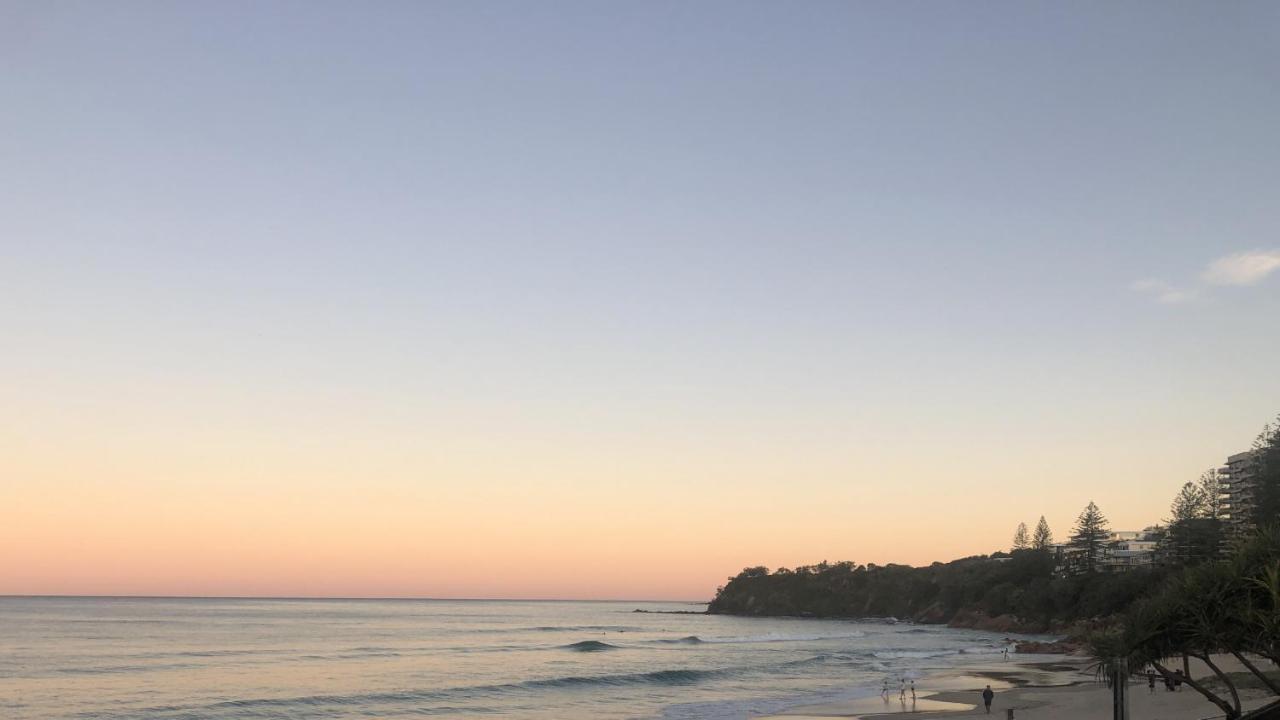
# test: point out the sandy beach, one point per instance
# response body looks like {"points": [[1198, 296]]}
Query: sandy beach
{"points": [[1060, 689]]}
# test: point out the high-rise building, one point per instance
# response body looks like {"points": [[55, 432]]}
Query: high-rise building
{"points": [[1239, 488]]}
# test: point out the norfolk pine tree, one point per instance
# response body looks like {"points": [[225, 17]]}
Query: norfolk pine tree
{"points": [[1020, 539], [1043, 537], [1195, 529], [1088, 538], [1211, 488]]}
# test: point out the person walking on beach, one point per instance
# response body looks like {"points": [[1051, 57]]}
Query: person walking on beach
{"points": [[913, 691], [902, 688], [884, 689], [987, 697]]}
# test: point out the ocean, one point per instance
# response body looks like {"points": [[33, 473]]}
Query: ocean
{"points": [[209, 659]]}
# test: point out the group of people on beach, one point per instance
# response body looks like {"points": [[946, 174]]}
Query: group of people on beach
{"points": [[906, 685], [1171, 683]]}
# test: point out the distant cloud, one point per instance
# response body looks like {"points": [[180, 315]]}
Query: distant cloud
{"points": [[1163, 292], [1243, 268], [1246, 268]]}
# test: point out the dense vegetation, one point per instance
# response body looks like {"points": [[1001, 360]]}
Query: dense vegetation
{"points": [[1267, 453], [1028, 589], [1014, 591]]}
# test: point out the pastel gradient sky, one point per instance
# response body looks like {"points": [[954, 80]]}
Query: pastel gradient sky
{"points": [[609, 300]]}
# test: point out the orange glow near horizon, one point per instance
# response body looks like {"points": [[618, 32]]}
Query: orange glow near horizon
{"points": [[145, 510]]}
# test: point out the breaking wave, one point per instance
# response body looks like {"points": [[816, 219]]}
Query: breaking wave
{"points": [[687, 640], [590, 646], [319, 703]]}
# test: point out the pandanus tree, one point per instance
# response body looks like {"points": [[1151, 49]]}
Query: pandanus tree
{"points": [[1154, 633], [1258, 562], [1264, 613], [1210, 609], [1207, 611]]}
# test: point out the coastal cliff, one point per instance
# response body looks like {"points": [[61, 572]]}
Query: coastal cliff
{"points": [[1013, 593]]}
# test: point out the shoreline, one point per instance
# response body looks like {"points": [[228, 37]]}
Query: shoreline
{"points": [[1057, 689], [950, 691]]}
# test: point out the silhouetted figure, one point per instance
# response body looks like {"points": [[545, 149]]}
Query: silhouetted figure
{"points": [[1151, 683], [1177, 680], [987, 697], [913, 691]]}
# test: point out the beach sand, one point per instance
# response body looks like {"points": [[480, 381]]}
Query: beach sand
{"points": [[1062, 689]]}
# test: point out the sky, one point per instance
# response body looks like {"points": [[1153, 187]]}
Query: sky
{"points": [[610, 300]]}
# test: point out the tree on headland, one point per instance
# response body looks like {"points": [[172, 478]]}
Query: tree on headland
{"points": [[1020, 539], [1266, 456], [1088, 539], [1043, 537], [1189, 503], [1023, 588], [1211, 488], [1194, 529]]}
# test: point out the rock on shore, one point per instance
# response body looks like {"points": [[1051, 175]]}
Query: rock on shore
{"points": [[1057, 647]]}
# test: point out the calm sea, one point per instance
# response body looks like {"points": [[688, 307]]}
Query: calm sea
{"points": [[211, 658]]}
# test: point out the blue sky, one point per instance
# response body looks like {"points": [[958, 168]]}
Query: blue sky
{"points": [[702, 231]]}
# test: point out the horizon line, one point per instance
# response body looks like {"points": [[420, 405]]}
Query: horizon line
{"points": [[38, 596]]}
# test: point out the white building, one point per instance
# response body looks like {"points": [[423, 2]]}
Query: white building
{"points": [[1129, 549], [1123, 551]]}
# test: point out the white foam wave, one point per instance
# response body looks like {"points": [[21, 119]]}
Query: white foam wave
{"points": [[783, 637], [903, 654]]}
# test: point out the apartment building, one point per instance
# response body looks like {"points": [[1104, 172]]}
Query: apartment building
{"points": [[1239, 488]]}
